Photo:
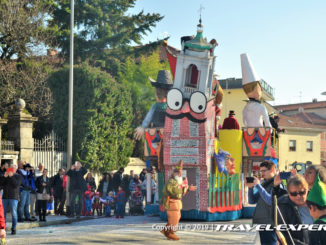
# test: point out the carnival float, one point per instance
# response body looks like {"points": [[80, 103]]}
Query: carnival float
{"points": [[184, 125]]}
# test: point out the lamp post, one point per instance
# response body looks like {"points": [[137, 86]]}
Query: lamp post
{"points": [[71, 97], [71, 86]]}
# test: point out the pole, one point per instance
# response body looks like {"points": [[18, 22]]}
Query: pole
{"points": [[148, 188], [71, 86], [71, 94]]}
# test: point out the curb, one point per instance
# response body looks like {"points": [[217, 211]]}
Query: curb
{"points": [[50, 223]]}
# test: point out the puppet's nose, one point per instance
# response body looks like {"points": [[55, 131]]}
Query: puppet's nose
{"points": [[185, 107]]}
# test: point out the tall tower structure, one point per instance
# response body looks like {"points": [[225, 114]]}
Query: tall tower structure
{"points": [[189, 130]]}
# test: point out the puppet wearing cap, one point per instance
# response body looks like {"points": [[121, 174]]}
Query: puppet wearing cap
{"points": [[155, 117], [173, 191], [316, 201], [254, 114]]}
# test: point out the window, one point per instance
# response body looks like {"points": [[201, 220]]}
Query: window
{"points": [[309, 146], [292, 145], [192, 76]]}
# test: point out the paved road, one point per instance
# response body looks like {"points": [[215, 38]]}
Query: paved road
{"points": [[130, 230]]}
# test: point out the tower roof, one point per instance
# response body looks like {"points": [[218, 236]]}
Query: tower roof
{"points": [[199, 43]]}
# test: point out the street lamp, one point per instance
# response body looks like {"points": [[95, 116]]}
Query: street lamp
{"points": [[71, 99], [323, 93], [71, 86]]}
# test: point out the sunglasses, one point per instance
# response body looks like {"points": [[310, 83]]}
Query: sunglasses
{"points": [[301, 193]]}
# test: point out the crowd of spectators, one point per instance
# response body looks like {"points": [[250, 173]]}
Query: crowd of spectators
{"points": [[27, 193], [303, 201]]}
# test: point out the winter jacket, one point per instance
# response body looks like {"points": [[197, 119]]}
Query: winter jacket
{"points": [[291, 215], [318, 237], [57, 186], [2, 216], [40, 187], [11, 186], [77, 181], [28, 182]]}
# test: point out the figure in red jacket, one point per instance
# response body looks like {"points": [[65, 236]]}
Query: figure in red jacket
{"points": [[2, 221], [231, 122]]}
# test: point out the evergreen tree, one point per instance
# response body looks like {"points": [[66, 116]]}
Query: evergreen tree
{"points": [[102, 25], [102, 117]]}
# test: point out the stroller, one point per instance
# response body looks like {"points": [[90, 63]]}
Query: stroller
{"points": [[136, 203]]}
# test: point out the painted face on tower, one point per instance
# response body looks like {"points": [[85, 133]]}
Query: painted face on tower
{"points": [[192, 108]]}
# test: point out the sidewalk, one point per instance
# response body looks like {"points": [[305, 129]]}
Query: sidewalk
{"points": [[50, 220]]}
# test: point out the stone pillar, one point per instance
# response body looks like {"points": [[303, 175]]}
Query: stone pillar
{"points": [[20, 130], [2, 122]]}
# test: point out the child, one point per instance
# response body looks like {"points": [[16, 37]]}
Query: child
{"points": [[136, 206], [120, 200], [88, 201], [96, 204], [316, 202], [108, 203]]}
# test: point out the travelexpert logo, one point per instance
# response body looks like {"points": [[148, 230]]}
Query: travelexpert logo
{"points": [[242, 227]]}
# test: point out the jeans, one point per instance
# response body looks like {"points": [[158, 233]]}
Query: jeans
{"points": [[73, 195], [120, 209], [23, 207], [11, 204], [108, 210], [33, 203]]}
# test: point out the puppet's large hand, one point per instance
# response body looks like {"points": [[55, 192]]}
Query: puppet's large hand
{"points": [[192, 188], [139, 133]]}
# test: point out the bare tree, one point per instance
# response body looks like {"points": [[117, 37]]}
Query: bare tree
{"points": [[23, 28], [29, 83]]}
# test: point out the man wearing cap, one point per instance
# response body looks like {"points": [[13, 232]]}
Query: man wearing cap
{"points": [[173, 191], [231, 122], [316, 202], [155, 118], [254, 114]]}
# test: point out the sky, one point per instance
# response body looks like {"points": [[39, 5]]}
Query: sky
{"points": [[285, 39]]}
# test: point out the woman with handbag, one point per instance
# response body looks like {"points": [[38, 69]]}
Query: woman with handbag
{"points": [[43, 194]]}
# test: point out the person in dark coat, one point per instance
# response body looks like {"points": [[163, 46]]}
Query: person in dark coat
{"points": [[3, 169], [90, 181], [43, 190], [262, 213], [77, 187], [11, 183], [125, 185], [294, 210], [117, 178], [231, 122], [105, 185], [142, 175], [58, 191]]}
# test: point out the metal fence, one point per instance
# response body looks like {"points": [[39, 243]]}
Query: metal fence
{"points": [[50, 151], [7, 145]]}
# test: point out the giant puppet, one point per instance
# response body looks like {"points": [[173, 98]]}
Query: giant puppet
{"points": [[190, 135], [257, 127]]}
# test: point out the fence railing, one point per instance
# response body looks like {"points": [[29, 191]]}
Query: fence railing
{"points": [[7, 145], [50, 151], [224, 190]]}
